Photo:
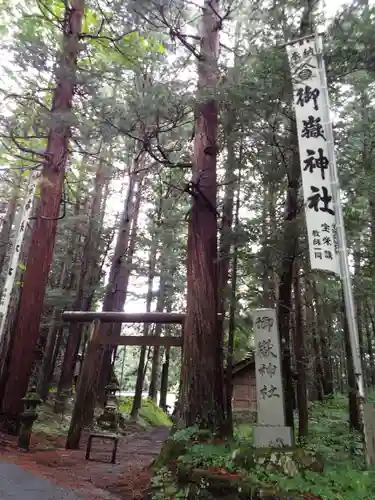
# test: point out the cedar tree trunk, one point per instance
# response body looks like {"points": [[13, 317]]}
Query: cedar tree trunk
{"points": [[43, 236], [202, 395]]}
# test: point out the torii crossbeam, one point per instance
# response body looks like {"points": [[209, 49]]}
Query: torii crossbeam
{"points": [[121, 317]]}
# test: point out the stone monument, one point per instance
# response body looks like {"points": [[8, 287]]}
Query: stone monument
{"points": [[270, 430]]}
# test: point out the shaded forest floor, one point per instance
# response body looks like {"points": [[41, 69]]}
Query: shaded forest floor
{"points": [[94, 479], [343, 477]]}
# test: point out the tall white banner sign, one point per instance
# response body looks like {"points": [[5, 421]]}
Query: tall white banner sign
{"points": [[310, 99], [14, 260]]}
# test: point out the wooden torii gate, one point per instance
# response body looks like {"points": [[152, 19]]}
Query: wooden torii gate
{"points": [[85, 396]]}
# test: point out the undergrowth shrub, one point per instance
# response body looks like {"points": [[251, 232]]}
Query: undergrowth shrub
{"points": [[243, 432], [344, 476], [208, 455]]}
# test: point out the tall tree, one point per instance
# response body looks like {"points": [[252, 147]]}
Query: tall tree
{"points": [[291, 236], [300, 357], [87, 275], [43, 236], [201, 393], [117, 289]]}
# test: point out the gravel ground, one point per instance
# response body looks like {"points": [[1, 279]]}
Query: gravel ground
{"points": [[18, 484]]}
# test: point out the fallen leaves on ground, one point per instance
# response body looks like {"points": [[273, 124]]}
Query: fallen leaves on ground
{"points": [[95, 479]]}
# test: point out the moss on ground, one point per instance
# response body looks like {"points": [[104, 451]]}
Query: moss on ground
{"points": [[50, 423], [52, 426], [149, 414]]}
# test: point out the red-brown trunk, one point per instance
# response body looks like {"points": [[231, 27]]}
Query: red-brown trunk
{"points": [[118, 282], [154, 380], [301, 363], [143, 359], [43, 236], [325, 333], [202, 395], [88, 271], [232, 321], [227, 218], [316, 365]]}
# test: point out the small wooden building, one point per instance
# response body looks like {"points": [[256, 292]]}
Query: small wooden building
{"points": [[244, 388]]}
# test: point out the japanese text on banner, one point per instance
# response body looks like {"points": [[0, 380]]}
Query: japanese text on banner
{"points": [[309, 100]]}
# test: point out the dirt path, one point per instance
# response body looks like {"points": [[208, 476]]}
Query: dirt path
{"points": [[80, 479], [18, 484]]}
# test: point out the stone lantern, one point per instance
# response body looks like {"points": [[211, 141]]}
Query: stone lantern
{"points": [[28, 417], [109, 420], [111, 389]]}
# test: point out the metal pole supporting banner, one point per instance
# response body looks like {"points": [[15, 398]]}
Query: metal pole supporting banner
{"points": [[341, 238], [342, 247]]}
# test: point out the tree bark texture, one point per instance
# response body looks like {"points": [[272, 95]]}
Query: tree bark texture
{"points": [[85, 398], [202, 395], [164, 381], [165, 367], [166, 266], [285, 301], [87, 272], [300, 357], [46, 368], [141, 371], [232, 320], [325, 334], [354, 409], [291, 238], [117, 288], [226, 231], [154, 381], [357, 288], [269, 230], [43, 236]]}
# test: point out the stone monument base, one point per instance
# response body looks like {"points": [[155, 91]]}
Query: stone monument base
{"points": [[267, 436]]}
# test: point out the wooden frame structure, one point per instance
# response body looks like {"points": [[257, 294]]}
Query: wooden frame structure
{"points": [[120, 317], [85, 397]]}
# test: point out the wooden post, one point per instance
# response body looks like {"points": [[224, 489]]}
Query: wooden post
{"points": [[85, 396], [122, 367]]}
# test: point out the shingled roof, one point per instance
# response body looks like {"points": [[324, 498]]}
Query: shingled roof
{"points": [[245, 363]]}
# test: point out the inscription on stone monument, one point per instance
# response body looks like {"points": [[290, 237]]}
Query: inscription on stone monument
{"points": [[270, 401]]}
